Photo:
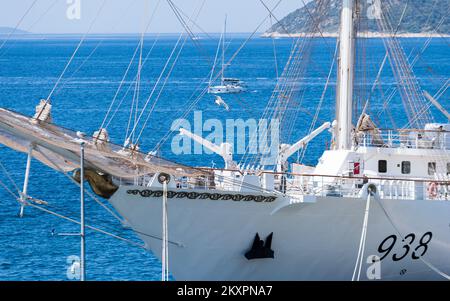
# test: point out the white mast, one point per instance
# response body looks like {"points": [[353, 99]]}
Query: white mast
{"points": [[223, 50], [345, 76]]}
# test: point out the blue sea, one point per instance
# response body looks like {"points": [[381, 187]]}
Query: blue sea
{"points": [[29, 69]]}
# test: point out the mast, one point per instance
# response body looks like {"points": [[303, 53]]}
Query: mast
{"points": [[223, 50], [344, 93]]}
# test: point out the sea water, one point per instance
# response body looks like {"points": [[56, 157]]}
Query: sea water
{"points": [[31, 247]]}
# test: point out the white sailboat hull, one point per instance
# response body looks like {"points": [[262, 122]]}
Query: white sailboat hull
{"points": [[314, 239], [225, 89]]}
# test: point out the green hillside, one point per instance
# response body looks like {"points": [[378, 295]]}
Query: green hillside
{"points": [[420, 17]]}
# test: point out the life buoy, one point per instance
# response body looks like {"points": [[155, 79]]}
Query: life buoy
{"points": [[432, 190]]}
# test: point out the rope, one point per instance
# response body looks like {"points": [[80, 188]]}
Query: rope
{"points": [[17, 198], [286, 89], [129, 88], [32, 25], [215, 59], [131, 135], [165, 80], [362, 242], [8, 175], [165, 236], [78, 184], [75, 52], [87, 226], [18, 24], [316, 116], [193, 101], [9, 191], [276, 19], [122, 19], [186, 27], [431, 266], [166, 65], [275, 57]]}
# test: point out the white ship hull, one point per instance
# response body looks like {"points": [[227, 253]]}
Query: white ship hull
{"points": [[314, 239]]}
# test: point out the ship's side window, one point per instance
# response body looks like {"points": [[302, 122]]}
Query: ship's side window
{"points": [[382, 166], [406, 167], [431, 168]]}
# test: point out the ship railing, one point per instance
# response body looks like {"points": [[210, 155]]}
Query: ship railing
{"points": [[317, 185], [405, 138], [351, 186]]}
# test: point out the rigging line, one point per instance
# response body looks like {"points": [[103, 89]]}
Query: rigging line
{"points": [[391, 221], [160, 91], [249, 38], [165, 80], [362, 242], [228, 63], [295, 71], [317, 25], [33, 24], [427, 42], [120, 87], [78, 184], [316, 116], [187, 28], [74, 53], [205, 90], [129, 87], [133, 101], [418, 115], [215, 59], [9, 191], [431, 13], [380, 70], [403, 73], [8, 175], [90, 227], [276, 19], [106, 224], [18, 24], [386, 26], [195, 23], [442, 90], [87, 226], [103, 231], [42, 15], [139, 70], [134, 106], [109, 226], [163, 71], [295, 54], [274, 51], [94, 50]]}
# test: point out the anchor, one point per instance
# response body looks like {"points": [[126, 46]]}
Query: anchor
{"points": [[260, 249]]}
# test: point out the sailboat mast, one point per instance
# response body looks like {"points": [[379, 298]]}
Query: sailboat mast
{"points": [[344, 93], [223, 49]]}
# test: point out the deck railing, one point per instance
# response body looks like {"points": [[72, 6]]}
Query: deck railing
{"points": [[316, 185], [410, 138]]}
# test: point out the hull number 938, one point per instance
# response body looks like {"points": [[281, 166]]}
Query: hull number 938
{"points": [[417, 248]]}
